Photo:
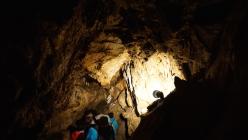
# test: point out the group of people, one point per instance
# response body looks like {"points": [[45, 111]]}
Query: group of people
{"points": [[94, 126]]}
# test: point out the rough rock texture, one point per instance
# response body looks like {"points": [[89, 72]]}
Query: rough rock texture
{"points": [[105, 54], [146, 75], [105, 58], [212, 107]]}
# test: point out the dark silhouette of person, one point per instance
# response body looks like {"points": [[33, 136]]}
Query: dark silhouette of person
{"points": [[106, 131], [155, 104]]}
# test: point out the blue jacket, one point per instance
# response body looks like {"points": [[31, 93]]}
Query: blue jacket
{"points": [[92, 134], [114, 124]]}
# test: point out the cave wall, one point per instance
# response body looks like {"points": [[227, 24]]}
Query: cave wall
{"points": [[54, 60], [214, 107]]}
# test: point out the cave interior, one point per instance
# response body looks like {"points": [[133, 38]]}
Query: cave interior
{"points": [[60, 58]]}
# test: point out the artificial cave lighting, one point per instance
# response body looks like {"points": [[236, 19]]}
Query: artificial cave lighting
{"points": [[104, 61], [157, 73]]}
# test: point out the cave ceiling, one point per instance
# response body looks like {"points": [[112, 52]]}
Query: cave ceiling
{"points": [[111, 55]]}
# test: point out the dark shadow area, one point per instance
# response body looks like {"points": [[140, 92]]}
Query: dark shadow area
{"points": [[172, 12], [196, 111], [20, 26], [213, 13]]}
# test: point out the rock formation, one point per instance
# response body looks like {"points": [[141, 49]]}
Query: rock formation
{"points": [[60, 58]]}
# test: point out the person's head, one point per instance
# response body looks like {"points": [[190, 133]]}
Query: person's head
{"points": [[158, 94], [89, 117], [111, 114], [103, 121]]}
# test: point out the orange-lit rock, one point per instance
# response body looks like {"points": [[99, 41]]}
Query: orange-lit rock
{"points": [[60, 58], [105, 58]]}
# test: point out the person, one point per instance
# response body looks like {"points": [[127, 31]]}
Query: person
{"points": [[158, 94], [98, 116], [75, 133], [113, 122], [90, 127], [155, 104], [106, 131]]}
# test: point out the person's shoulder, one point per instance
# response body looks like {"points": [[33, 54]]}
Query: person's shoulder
{"points": [[92, 133], [92, 129]]}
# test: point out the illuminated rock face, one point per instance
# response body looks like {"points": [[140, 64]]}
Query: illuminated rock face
{"points": [[155, 73], [105, 58], [142, 74], [111, 55]]}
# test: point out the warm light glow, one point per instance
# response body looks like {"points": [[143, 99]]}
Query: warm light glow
{"points": [[111, 67], [157, 73], [104, 60]]}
